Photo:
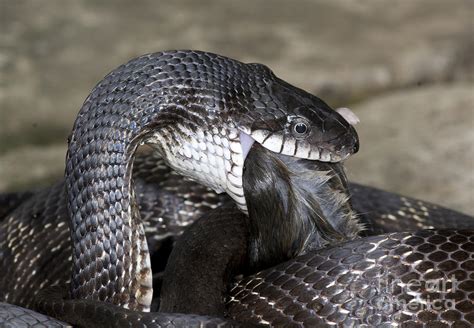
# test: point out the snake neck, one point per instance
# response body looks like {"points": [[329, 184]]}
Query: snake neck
{"points": [[212, 157], [294, 206]]}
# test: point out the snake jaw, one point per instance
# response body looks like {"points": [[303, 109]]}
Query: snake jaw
{"points": [[331, 140], [285, 144]]}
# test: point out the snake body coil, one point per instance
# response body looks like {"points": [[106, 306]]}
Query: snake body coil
{"points": [[44, 216]]}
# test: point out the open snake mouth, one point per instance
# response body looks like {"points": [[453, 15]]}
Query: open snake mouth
{"points": [[332, 150]]}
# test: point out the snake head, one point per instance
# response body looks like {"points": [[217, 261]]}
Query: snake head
{"points": [[292, 122]]}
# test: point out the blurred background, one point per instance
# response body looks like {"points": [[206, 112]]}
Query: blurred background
{"points": [[405, 68]]}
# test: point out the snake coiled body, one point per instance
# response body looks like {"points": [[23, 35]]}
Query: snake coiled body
{"points": [[201, 113], [161, 194]]}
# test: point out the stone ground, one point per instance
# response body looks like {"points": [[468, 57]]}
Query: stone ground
{"points": [[405, 67]]}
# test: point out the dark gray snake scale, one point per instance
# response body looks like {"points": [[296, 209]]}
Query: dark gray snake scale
{"points": [[104, 233]]}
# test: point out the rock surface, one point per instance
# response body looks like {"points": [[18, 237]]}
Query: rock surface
{"points": [[31, 167], [419, 142], [53, 52]]}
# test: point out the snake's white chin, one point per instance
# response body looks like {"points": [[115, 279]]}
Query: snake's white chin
{"points": [[323, 155]]}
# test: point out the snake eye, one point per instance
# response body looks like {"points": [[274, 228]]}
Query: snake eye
{"points": [[300, 129]]}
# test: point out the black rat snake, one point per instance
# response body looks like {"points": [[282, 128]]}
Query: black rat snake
{"points": [[148, 100]]}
